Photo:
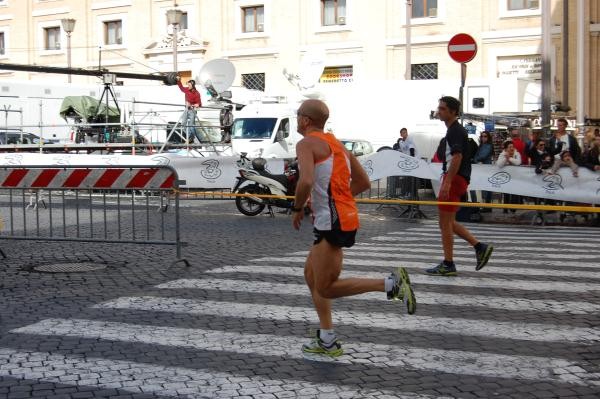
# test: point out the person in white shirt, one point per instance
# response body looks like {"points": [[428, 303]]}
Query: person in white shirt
{"points": [[405, 144], [510, 156]]}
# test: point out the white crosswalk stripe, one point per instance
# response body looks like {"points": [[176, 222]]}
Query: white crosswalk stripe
{"points": [[372, 259], [539, 368], [421, 278], [493, 329], [424, 297], [525, 255], [558, 254]]}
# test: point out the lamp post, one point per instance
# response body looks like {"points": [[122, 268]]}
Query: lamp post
{"points": [[174, 17], [68, 25]]}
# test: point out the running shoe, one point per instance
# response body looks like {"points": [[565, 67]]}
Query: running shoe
{"points": [[402, 290], [442, 270], [483, 256], [318, 346]]}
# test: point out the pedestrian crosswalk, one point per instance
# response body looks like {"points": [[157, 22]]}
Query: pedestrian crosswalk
{"points": [[530, 319]]}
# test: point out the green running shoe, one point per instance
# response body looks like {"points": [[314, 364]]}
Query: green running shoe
{"points": [[402, 290], [483, 256], [318, 346]]}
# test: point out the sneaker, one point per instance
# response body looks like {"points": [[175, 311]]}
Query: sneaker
{"points": [[484, 255], [442, 270], [318, 346], [402, 290]]}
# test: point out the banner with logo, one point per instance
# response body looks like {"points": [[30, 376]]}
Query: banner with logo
{"points": [[521, 180], [199, 172]]}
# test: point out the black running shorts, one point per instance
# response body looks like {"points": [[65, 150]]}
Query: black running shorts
{"points": [[337, 238]]}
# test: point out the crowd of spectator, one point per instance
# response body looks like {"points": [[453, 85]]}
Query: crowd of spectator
{"points": [[546, 156]]}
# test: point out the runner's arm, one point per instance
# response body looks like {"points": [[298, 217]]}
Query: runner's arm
{"points": [[360, 180], [306, 165]]}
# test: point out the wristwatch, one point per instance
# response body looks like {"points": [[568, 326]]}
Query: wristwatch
{"points": [[296, 209]]}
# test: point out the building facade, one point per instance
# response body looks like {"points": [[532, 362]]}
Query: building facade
{"points": [[359, 40]]}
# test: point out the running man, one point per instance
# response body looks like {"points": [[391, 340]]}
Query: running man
{"points": [[455, 181], [332, 176]]}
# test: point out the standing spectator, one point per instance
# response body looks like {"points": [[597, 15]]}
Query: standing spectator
{"points": [[519, 144], [592, 157], [405, 144], [484, 156], [455, 182], [565, 160], [192, 103], [563, 141], [510, 156]]}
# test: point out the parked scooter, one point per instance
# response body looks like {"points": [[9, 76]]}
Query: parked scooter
{"points": [[255, 179]]}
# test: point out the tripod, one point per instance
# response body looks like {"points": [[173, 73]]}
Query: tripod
{"points": [[413, 211], [184, 123], [107, 94]]}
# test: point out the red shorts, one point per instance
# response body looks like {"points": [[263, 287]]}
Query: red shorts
{"points": [[458, 188]]}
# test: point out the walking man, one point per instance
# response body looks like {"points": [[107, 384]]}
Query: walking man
{"points": [[455, 181], [332, 176]]}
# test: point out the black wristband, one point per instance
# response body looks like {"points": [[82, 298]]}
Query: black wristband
{"points": [[296, 209]]}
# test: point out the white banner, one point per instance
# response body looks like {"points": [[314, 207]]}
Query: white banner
{"points": [[520, 180], [200, 172]]}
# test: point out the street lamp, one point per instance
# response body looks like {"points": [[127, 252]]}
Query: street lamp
{"points": [[174, 17], [68, 25]]}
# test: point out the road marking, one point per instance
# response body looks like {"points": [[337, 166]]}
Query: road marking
{"points": [[463, 263], [475, 282], [536, 238], [527, 253], [429, 262], [458, 362], [423, 296], [402, 322]]}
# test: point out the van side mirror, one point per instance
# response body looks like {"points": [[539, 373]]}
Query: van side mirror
{"points": [[279, 136]]}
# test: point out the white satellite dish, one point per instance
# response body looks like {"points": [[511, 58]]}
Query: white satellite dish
{"points": [[217, 74], [311, 69]]}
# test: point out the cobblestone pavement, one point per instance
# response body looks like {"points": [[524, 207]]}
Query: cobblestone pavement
{"points": [[233, 323]]}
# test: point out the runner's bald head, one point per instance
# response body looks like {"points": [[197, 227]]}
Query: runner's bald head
{"points": [[316, 110]]}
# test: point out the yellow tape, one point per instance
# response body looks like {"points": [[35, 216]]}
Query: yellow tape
{"points": [[560, 208]]}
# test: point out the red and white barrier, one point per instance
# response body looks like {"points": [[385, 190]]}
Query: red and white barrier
{"points": [[87, 178]]}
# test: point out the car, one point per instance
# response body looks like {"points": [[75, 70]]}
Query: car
{"points": [[23, 138], [357, 147]]}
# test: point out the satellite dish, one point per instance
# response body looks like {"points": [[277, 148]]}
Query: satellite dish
{"points": [[311, 69], [217, 75]]}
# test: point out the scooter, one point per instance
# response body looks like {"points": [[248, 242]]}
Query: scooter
{"points": [[255, 179]]}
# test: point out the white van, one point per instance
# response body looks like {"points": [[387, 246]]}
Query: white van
{"points": [[265, 129]]}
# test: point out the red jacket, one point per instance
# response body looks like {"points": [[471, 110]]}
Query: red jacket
{"points": [[520, 147], [192, 97]]}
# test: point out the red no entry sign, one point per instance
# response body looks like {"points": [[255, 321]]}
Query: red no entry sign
{"points": [[462, 48]]}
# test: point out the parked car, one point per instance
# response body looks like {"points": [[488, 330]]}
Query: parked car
{"points": [[358, 147], [27, 138]]}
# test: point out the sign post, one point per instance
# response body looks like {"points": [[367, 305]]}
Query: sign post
{"points": [[462, 48]]}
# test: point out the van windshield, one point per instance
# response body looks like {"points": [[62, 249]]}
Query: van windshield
{"points": [[253, 128]]}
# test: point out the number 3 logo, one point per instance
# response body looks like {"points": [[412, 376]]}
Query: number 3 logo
{"points": [[211, 170]]}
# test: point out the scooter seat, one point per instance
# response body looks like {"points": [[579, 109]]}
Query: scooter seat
{"points": [[283, 179]]}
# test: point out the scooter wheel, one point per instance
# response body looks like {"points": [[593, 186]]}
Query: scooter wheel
{"points": [[246, 205]]}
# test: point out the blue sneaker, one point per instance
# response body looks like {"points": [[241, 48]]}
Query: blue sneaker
{"points": [[441, 270]]}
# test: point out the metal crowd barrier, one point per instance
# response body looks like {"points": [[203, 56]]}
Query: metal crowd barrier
{"points": [[98, 204]]}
